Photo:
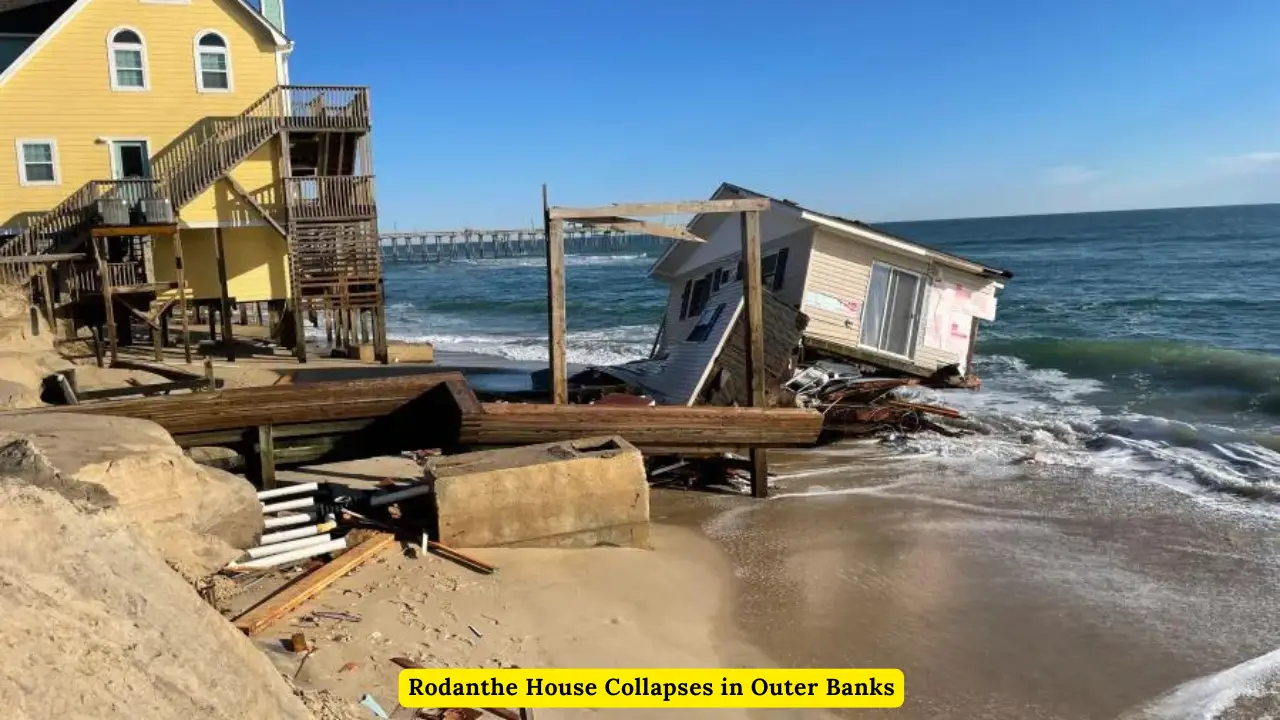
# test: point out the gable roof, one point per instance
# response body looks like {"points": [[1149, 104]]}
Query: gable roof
{"points": [[677, 252], [259, 21]]}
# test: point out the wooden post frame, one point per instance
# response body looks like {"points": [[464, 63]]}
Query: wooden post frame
{"points": [[753, 300], [184, 305], [618, 217], [556, 351]]}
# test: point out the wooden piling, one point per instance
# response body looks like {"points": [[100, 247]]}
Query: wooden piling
{"points": [[555, 304], [224, 307], [752, 296]]}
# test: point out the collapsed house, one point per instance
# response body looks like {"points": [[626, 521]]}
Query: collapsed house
{"points": [[835, 289]]}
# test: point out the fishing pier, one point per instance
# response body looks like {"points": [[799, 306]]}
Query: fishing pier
{"points": [[433, 246]]}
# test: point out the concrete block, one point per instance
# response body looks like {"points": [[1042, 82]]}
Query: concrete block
{"points": [[578, 493], [411, 352]]}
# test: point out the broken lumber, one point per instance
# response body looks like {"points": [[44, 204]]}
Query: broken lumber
{"points": [[277, 606], [649, 428], [246, 408]]}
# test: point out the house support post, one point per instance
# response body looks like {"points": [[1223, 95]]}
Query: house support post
{"points": [[753, 300], [183, 306], [224, 299], [380, 348], [100, 249], [554, 229]]}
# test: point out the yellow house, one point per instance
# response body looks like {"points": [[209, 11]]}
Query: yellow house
{"points": [[157, 145]]}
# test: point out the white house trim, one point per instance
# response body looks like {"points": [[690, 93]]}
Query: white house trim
{"points": [[22, 162], [276, 36], [875, 237], [43, 40], [225, 51], [111, 60]]}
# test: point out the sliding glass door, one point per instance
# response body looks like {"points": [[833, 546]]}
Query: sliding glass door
{"points": [[892, 310]]}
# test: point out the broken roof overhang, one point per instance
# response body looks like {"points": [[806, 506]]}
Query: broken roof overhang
{"points": [[259, 20], [843, 225]]}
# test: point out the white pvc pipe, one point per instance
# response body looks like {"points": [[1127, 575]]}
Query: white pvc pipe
{"points": [[295, 533], [288, 557], [288, 490], [288, 505], [287, 520], [282, 547], [399, 495]]}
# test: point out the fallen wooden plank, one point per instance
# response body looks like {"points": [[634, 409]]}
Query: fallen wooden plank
{"points": [[659, 208], [468, 562], [668, 426], [277, 606], [930, 409], [151, 389]]}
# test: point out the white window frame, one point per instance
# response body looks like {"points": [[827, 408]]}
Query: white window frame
{"points": [[22, 162], [225, 51], [111, 60], [914, 336]]}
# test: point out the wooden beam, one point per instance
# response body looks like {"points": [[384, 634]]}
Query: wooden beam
{"points": [[182, 296], [224, 304], [132, 230], [660, 208], [288, 600], [244, 195], [753, 300], [555, 305], [641, 227], [41, 259]]}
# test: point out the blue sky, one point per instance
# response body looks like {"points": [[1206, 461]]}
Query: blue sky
{"points": [[882, 111]]}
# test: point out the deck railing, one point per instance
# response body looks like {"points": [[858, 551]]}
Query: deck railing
{"points": [[331, 197]]}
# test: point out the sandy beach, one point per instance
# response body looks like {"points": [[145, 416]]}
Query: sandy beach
{"points": [[1015, 589]]}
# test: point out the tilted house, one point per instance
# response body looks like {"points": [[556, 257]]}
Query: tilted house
{"points": [[870, 297], [159, 153]]}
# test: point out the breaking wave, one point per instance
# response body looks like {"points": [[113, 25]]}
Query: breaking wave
{"points": [[1162, 365], [1047, 417]]}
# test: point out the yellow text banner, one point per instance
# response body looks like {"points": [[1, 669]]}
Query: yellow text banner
{"points": [[649, 688]]}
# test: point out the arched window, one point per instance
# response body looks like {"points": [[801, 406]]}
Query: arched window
{"points": [[213, 62], [127, 56]]}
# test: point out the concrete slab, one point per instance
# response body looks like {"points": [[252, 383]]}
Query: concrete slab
{"points": [[578, 493]]}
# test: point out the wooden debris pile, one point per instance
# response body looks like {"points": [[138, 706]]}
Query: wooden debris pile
{"points": [[857, 406]]}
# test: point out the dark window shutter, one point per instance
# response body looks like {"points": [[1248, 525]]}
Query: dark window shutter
{"points": [[740, 270], [684, 299], [780, 270]]}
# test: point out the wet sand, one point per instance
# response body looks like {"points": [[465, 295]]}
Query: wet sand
{"points": [[1036, 592]]}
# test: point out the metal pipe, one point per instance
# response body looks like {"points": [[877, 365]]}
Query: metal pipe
{"points": [[288, 557], [288, 505], [288, 490], [392, 497], [296, 533], [287, 520], [283, 547]]}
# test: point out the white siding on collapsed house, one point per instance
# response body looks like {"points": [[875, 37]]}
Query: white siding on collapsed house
{"points": [[840, 268], [725, 238], [798, 246]]}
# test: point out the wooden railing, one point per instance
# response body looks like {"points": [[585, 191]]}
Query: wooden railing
{"points": [[331, 197], [191, 164], [326, 107], [55, 231]]}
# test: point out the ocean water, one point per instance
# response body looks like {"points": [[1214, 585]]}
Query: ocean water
{"points": [[1141, 345]]}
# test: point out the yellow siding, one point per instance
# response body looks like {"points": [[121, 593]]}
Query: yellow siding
{"points": [[257, 263], [64, 93]]}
